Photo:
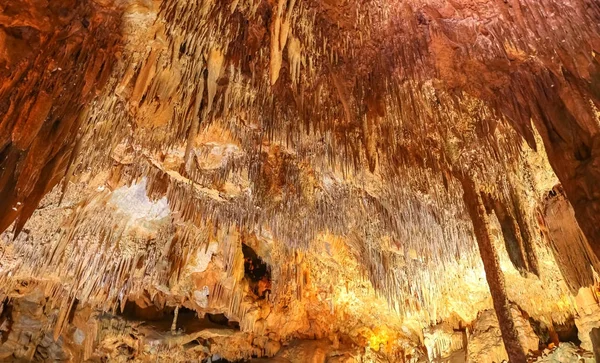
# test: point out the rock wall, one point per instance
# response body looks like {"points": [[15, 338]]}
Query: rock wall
{"points": [[296, 168]]}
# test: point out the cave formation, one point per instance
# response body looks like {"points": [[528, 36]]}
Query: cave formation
{"points": [[300, 180]]}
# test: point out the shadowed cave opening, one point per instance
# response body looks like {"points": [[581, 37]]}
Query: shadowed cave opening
{"points": [[222, 320], [556, 333], [188, 321], [159, 318], [6, 322], [217, 359], [568, 332], [257, 272]]}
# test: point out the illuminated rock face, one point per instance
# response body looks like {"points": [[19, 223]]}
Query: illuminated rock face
{"points": [[302, 180]]}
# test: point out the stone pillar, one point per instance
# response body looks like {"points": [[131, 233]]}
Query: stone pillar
{"points": [[493, 273]]}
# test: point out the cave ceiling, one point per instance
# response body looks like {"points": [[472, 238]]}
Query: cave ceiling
{"points": [[350, 171]]}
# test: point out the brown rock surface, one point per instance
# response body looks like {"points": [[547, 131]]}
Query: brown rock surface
{"points": [[308, 180]]}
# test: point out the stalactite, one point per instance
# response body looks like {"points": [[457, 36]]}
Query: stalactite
{"points": [[513, 238], [525, 229], [45, 127], [352, 131], [572, 253]]}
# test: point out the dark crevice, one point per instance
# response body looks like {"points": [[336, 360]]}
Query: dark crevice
{"points": [[517, 239], [135, 312], [595, 338], [526, 233], [6, 321], [73, 309], [543, 333], [222, 320], [161, 319], [509, 233], [218, 360], [556, 333], [257, 272], [568, 332], [568, 244], [188, 321]]}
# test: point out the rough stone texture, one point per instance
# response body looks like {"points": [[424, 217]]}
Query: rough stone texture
{"points": [[485, 341], [493, 273], [566, 353], [588, 316], [568, 242], [290, 170], [443, 342]]}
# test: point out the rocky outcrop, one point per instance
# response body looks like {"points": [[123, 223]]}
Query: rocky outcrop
{"points": [[445, 343], [566, 352], [569, 245], [54, 58], [588, 316], [485, 341]]}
